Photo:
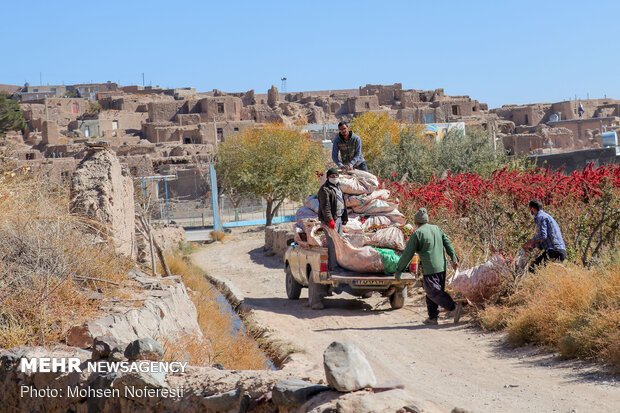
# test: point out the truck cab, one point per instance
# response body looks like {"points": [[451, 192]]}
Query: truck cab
{"points": [[307, 268]]}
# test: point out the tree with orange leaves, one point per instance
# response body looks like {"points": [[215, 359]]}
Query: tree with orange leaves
{"points": [[377, 131]]}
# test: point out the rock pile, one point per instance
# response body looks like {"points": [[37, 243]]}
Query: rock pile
{"points": [[352, 385]]}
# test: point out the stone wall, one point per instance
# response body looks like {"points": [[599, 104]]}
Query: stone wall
{"points": [[102, 191], [276, 238]]}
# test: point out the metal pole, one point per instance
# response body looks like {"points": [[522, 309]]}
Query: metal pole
{"points": [[167, 211]]}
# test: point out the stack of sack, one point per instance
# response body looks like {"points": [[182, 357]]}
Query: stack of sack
{"points": [[374, 221]]}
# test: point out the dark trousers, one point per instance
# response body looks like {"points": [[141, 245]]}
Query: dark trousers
{"points": [[548, 255], [332, 262], [434, 286], [362, 166]]}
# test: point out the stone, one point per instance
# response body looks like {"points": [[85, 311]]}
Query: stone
{"points": [[293, 392], [367, 402], [151, 380], [82, 335], [346, 367], [223, 401], [99, 382], [118, 353], [144, 349], [103, 346]]}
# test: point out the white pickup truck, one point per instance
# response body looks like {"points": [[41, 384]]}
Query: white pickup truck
{"points": [[307, 267]]}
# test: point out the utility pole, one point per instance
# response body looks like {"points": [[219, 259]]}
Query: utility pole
{"points": [[40, 79], [142, 79]]}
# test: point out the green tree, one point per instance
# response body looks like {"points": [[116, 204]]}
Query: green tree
{"points": [[274, 162], [11, 117], [94, 108], [419, 158]]}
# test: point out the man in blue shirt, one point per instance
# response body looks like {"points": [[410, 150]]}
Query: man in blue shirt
{"points": [[350, 147], [548, 239]]}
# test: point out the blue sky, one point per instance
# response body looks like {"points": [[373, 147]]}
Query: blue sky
{"points": [[498, 52]]}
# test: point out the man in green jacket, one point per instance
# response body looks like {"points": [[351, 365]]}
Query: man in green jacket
{"points": [[429, 242]]}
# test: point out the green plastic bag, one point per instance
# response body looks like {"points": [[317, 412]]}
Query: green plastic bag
{"points": [[390, 260]]}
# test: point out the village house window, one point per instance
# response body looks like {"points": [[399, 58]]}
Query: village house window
{"points": [[236, 129], [187, 140], [527, 120], [220, 108], [29, 156], [114, 124], [87, 131], [220, 134], [455, 109], [367, 104]]}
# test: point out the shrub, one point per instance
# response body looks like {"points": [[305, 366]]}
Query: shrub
{"points": [[46, 267], [569, 309], [419, 159]]}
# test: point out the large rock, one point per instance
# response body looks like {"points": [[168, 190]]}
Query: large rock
{"points": [[103, 346], [144, 349], [293, 392], [168, 312], [346, 367], [102, 191]]}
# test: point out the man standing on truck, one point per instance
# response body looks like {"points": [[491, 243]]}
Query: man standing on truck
{"points": [[332, 212], [429, 242], [350, 147]]}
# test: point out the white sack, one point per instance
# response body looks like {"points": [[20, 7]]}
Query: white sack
{"points": [[391, 237], [480, 282]]}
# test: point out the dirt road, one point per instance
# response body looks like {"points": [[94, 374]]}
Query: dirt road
{"points": [[451, 365]]}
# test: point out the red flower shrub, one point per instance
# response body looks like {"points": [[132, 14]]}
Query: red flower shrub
{"points": [[490, 214]]}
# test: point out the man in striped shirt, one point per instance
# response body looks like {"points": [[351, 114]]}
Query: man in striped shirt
{"points": [[548, 239]]}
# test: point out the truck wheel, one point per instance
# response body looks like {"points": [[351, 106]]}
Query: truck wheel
{"points": [[397, 299], [316, 292], [293, 288]]}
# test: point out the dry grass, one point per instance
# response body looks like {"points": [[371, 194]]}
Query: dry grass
{"points": [[569, 309], [190, 348], [218, 236], [234, 351], [43, 253]]}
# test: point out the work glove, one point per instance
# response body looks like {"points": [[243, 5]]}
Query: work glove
{"points": [[332, 224], [397, 276]]}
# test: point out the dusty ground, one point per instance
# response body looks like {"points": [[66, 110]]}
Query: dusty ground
{"points": [[451, 365]]}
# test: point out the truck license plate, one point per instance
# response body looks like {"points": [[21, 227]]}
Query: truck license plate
{"points": [[370, 282]]}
